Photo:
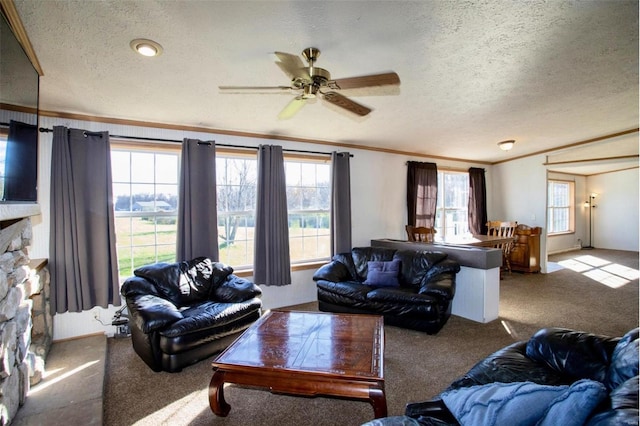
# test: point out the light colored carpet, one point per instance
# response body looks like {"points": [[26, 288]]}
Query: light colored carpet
{"points": [[417, 366]]}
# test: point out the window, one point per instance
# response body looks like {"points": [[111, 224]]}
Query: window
{"points": [[560, 205], [236, 191], [145, 191], [452, 205], [308, 199]]}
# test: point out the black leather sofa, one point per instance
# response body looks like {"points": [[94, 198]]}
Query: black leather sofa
{"points": [[419, 296], [583, 378], [183, 312]]}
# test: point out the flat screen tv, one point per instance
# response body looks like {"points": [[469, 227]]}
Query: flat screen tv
{"points": [[19, 85], [19, 164]]}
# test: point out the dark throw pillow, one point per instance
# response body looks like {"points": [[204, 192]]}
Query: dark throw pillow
{"points": [[383, 274]]}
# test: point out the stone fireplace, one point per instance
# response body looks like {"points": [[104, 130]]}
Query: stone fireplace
{"points": [[26, 325]]}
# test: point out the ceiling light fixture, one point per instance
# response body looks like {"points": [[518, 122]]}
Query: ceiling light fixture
{"points": [[506, 145], [146, 47]]}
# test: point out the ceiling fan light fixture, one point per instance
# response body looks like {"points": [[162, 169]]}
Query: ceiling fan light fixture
{"points": [[506, 145], [146, 47]]}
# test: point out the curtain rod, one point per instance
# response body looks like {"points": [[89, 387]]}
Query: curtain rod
{"points": [[45, 130]]}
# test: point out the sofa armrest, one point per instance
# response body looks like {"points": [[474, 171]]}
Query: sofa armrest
{"points": [[333, 271], [442, 285], [152, 313], [235, 290]]}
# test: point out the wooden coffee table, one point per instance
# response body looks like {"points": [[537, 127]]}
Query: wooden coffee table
{"points": [[307, 354]]}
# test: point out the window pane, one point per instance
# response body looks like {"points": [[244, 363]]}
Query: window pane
{"points": [[452, 204], [166, 168], [120, 166], [144, 167]]}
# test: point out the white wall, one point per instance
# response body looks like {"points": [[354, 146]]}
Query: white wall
{"points": [[378, 192], [520, 194], [615, 219]]}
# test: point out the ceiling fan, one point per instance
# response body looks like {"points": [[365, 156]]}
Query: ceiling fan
{"points": [[311, 81]]}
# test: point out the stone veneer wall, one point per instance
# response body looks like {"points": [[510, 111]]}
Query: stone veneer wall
{"points": [[24, 341]]}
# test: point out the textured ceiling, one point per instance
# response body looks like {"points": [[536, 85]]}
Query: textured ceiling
{"points": [[545, 73]]}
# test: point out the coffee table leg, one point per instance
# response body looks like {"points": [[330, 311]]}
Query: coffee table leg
{"points": [[379, 402], [216, 395]]}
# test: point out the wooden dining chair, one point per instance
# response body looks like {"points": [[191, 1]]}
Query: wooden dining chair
{"points": [[499, 228], [420, 233]]}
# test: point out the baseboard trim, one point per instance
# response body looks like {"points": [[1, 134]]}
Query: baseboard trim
{"points": [[574, 248]]}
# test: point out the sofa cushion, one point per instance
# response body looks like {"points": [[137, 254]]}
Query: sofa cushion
{"points": [[383, 274], [195, 280], [188, 282], [165, 277], [219, 273], [235, 289], [510, 364], [416, 264], [400, 296], [362, 255], [350, 289], [576, 354], [524, 403]]}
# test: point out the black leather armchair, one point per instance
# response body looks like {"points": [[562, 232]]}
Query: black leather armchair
{"points": [[420, 299], [183, 312]]}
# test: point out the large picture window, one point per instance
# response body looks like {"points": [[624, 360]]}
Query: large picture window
{"points": [[453, 204], [560, 206], [145, 188]]}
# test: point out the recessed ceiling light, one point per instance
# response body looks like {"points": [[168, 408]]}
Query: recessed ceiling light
{"points": [[506, 145], [146, 47]]}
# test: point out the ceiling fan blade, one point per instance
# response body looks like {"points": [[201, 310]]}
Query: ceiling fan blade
{"points": [[292, 108], [373, 80], [346, 103], [254, 88], [292, 65]]}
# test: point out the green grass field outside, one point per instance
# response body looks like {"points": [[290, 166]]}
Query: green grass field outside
{"points": [[141, 242]]}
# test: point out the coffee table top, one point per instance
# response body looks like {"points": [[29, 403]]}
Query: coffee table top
{"points": [[349, 345]]}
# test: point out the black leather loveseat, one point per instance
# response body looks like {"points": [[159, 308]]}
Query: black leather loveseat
{"points": [[558, 377], [184, 312], [411, 289]]}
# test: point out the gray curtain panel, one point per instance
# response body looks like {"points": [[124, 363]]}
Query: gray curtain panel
{"points": [[271, 262], [197, 205], [83, 263], [477, 201], [422, 193], [340, 203]]}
